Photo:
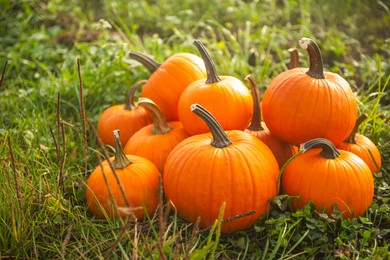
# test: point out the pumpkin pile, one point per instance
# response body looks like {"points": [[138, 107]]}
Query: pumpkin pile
{"points": [[214, 143]]}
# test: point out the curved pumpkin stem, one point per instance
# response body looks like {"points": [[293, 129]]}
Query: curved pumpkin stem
{"points": [[212, 76], [294, 58], [329, 151], [121, 161], [148, 62], [255, 124], [352, 137], [220, 138], [129, 105], [316, 68], [161, 125]]}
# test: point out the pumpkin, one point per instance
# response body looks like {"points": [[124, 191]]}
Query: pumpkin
{"points": [[155, 141], [327, 176], [363, 147], [169, 79], [302, 104], [226, 97], [234, 168], [129, 181], [281, 150], [294, 58], [127, 118]]}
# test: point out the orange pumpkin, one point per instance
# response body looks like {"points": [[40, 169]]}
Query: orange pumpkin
{"points": [[131, 181], [169, 79], [128, 118], [302, 104], [363, 147], [281, 150], [327, 176], [155, 141], [207, 170], [226, 97]]}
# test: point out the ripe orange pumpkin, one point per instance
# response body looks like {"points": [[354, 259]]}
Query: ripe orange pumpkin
{"points": [[128, 118], [281, 150], [155, 141], [363, 147], [207, 170], [302, 104], [327, 176], [226, 97], [138, 188], [169, 79]]}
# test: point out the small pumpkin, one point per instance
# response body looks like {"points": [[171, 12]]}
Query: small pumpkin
{"points": [[281, 150], [169, 79], [363, 147], [302, 104], [127, 118], [327, 176], [226, 97], [207, 170], [131, 181], [155, 141]]}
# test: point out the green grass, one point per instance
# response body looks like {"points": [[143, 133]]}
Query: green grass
{"points": [[44, 215]]}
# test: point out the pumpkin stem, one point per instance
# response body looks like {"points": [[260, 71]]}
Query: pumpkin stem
{"points": [[148, 62], [220, 138], [255, 124], [294, 58], [352, 137], [161, 125], [129, 105], [121, 161], [316, 69], [212, 76], [329, 151]]}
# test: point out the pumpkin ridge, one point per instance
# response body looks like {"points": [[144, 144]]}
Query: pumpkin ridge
{"points": [[188, 64]]}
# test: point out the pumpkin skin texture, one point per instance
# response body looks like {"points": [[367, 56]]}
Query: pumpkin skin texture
{"points": [[280, 149], [342, 178], [363, 147], [155, 141], [226, 97], [139, 179], [169, 79], [128, 118], [233, 167], [302, 104]]}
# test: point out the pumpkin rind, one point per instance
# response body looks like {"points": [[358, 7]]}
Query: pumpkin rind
{"points": [[199, 177], [139, 179], [345, 180], [298, 107]]}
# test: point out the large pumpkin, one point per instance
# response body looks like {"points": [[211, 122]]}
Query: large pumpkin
{"points": [[155, 141], [131, 181], [281, 149], [363, 147], [226, 97], [302, 104], [327, 176], [169, 79], [207, 170], [128, 118]]}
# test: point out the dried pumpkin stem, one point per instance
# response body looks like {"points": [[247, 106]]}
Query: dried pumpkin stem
{"points": [[129, 105], [329, 151], [255, 124], [212, 76], [316, 68], [220, 138], [352, 137], [294, 58], [121, 161], [161, 125], [148, 62]]}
